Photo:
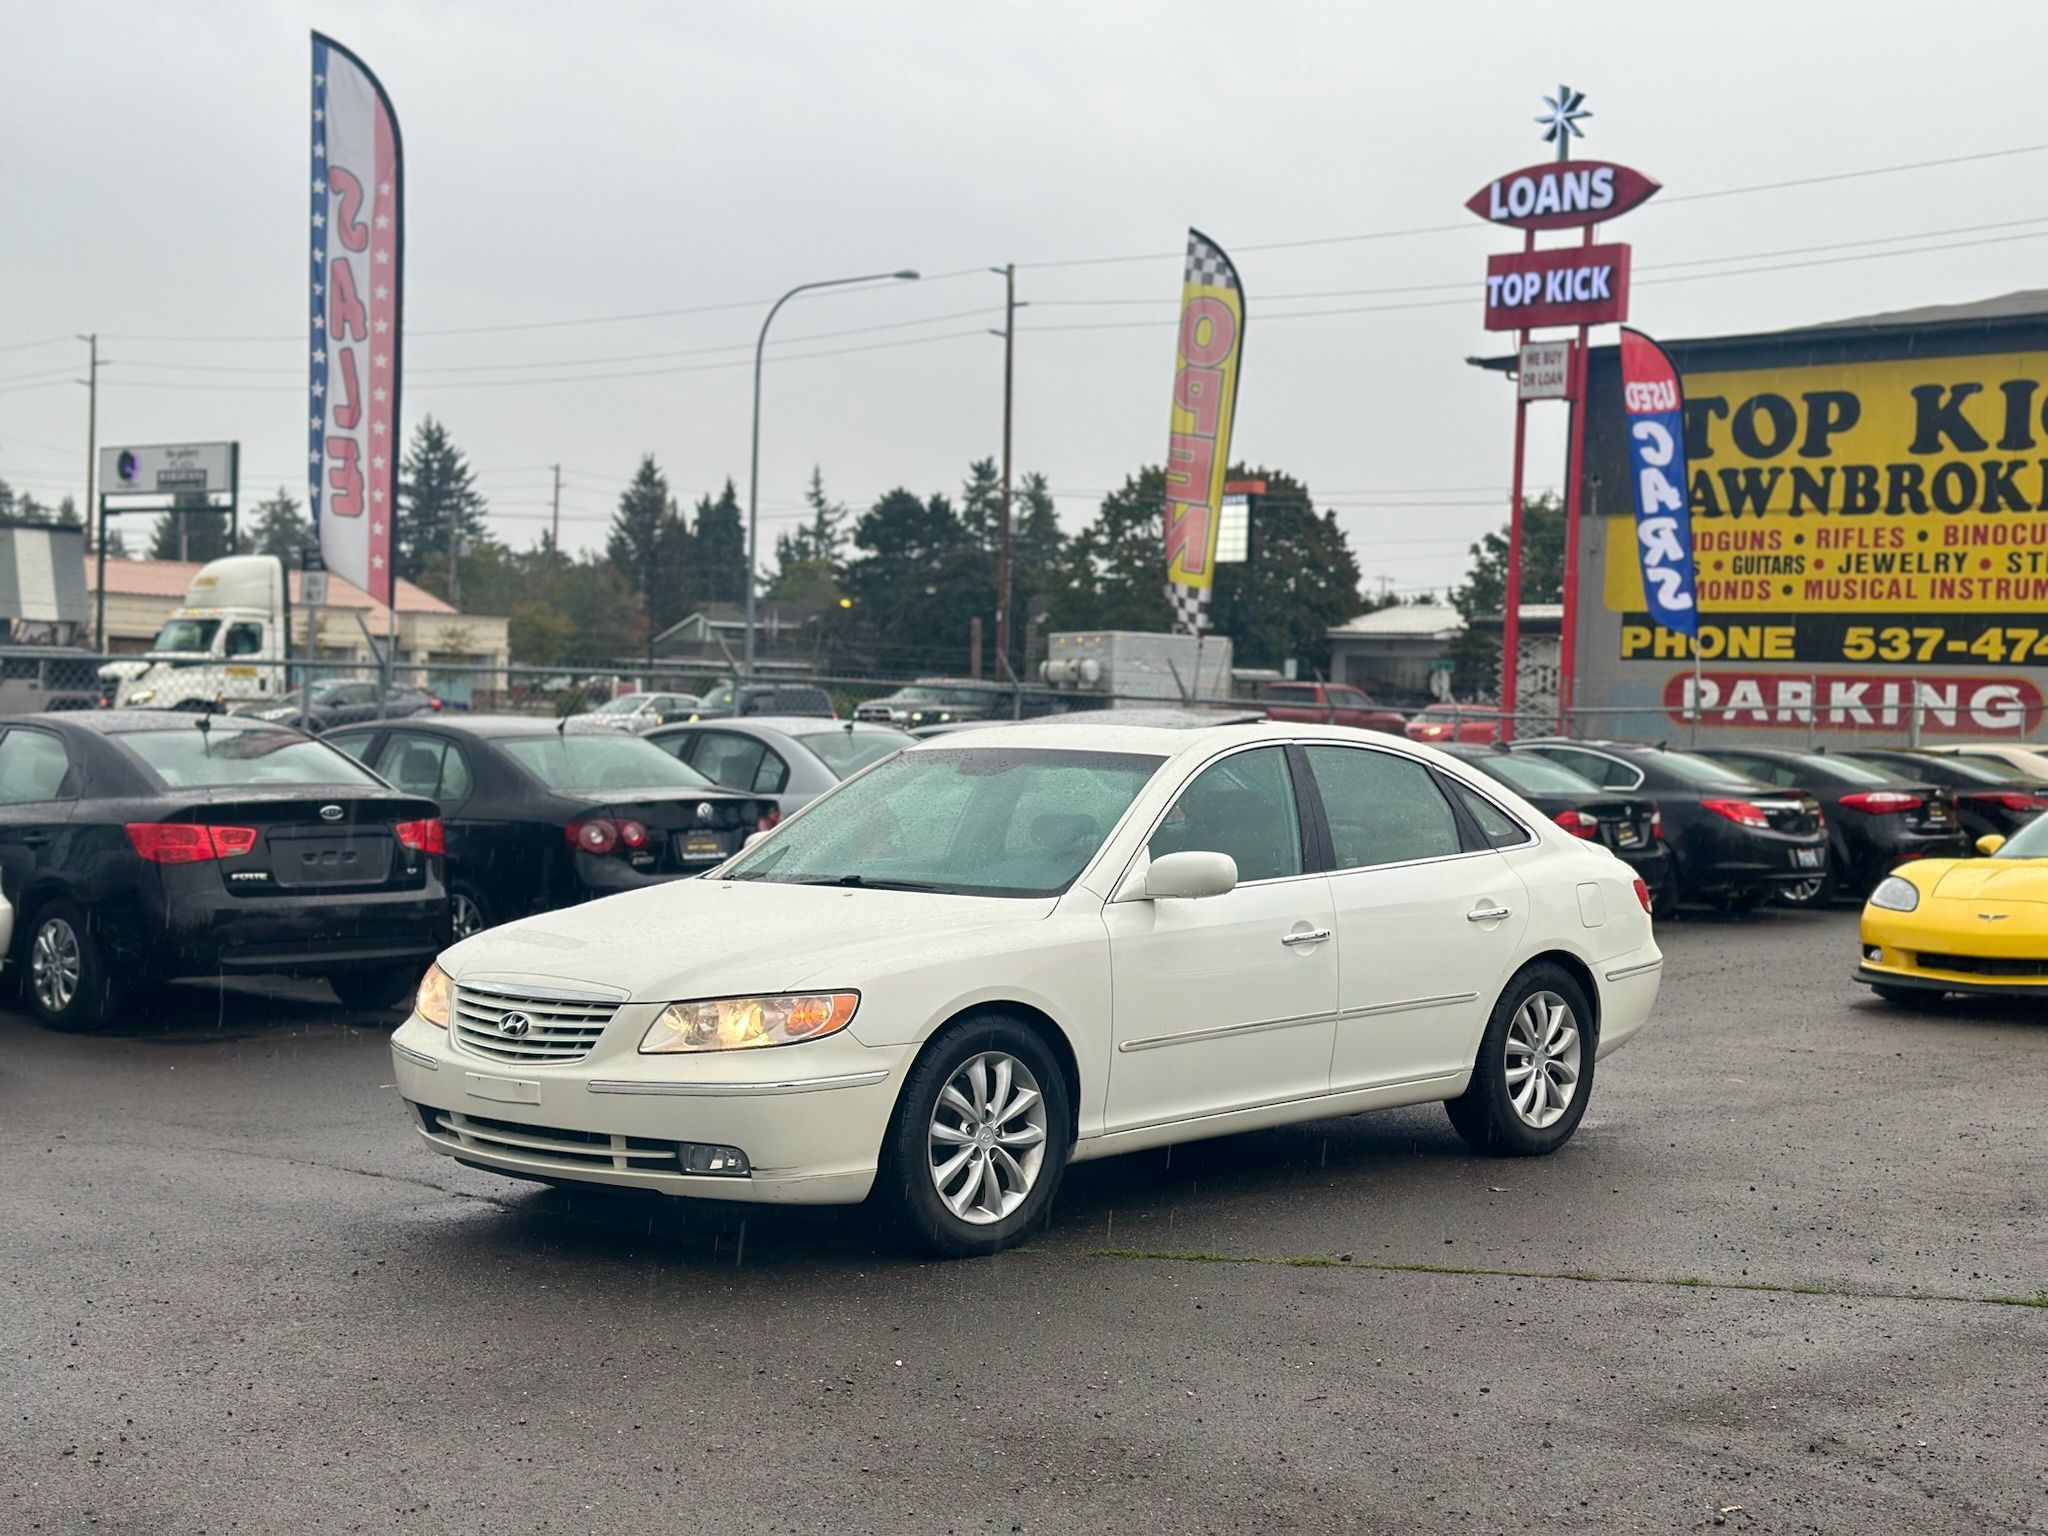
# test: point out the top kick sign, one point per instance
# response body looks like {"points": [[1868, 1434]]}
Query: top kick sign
{"points": [[1563, 195]]}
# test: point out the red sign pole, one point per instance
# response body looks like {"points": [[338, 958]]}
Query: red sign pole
{"points": [[1574, 473], [1511, 615]]}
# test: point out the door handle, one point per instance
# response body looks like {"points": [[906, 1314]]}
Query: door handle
{"points": [[1313, 936], [35, 837], [1486, 914]]}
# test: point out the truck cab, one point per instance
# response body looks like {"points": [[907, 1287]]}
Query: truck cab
{"points": [[225, 645]]}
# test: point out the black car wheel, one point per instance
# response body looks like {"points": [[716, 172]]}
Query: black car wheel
{"points": [[979, 1140], [469, 911], [69, 986], [377, 991], [1534, 1071]]}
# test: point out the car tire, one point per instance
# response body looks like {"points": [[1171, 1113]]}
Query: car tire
{"points": [[65, 980], [1908, 997], [1819, 892], [377, 991], [1013, 1135], [469, 912], [1522, 1056]]}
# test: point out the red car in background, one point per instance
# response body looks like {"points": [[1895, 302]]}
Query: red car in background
{"points": [[1327, 704], [1473, 724]]}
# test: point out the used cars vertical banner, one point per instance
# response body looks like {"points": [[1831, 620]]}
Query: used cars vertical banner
{"points": [[1204, 404], [357, 291], [1654, 409]]}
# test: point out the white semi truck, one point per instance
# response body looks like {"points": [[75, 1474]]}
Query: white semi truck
{"points": [[226, 645]]}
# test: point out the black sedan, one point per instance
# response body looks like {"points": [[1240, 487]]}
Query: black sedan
{"points": [[1992, 799], [337, 702], [1735, 842], [142, 846], [1628, 824], [1876, 819], [541, 814]]}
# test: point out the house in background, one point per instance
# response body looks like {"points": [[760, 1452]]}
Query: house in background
{"points": [[787, 637], [1399, 655]]}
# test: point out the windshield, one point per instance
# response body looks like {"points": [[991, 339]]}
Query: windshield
{"points": [[186, 635], [603, 761], [1535, 775], [994, 821], [1702, 770], [1850, 772], [913, 696], [1991, 767], [196, 759], [847, 752], [718, 698], [2030, 842], [626, 704]]}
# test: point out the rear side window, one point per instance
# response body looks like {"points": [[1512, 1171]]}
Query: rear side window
{"points": [[1285, 693], [32, 767], [424, 765], [1498, 828], [216, 758], [1382, 809], [728, 759]]}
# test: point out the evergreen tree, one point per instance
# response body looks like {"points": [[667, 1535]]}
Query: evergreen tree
{"points": [[279, 528], [190, 536], [720, 546], [981, 504], [1475, 655], [920, 583], [67, 514], [436, 493], [650, 546], [1036, 549], [820, 540]]}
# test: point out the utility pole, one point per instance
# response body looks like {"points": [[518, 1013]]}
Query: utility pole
{"points": [[1003, 583], [555, 521], [95, 518], [454, 563]]}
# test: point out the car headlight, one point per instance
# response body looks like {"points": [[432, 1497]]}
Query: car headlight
{"points": [[738, 1023], [142, 696], [436, 996], [1894, 894]]}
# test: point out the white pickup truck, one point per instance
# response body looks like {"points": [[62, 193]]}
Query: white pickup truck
{"points": [[226, 645]]}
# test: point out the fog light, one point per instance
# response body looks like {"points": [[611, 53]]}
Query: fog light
{"points": [[1873, 953], [726, 1162]]}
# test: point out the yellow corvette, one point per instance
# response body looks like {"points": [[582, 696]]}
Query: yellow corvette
{"points": [[1962, 925]]}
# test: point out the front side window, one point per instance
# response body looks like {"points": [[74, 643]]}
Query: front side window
{"points": [[424, 765], [32, 767], [1606, 772], [1243, 806], [1382, 809], [994, 821], [1288, 693], [245, 639], [217, 758]]}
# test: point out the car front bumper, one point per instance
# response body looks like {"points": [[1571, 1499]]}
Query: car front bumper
{"points": [[810, 1118], [1898, 951]]}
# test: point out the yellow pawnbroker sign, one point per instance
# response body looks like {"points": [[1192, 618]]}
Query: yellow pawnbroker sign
{"points": [[1914, 486]]}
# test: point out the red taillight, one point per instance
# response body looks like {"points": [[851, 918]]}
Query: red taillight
{"points": [[188, 842], [593, 836], [633, 835], [1579, 824], [1741, 812], [1879, 802], [771, 817], [1656, 826], [1643, 895], [430, 836], [2012, 800]]}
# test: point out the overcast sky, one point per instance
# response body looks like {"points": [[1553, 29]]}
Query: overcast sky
{"points": [[567, 163]]}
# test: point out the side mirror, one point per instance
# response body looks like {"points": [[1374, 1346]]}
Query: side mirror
{"points": [[1190, 875], [1989, 844], [753, 838]]}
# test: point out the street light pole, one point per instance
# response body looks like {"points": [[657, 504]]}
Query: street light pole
{"points": [[754, 457]]}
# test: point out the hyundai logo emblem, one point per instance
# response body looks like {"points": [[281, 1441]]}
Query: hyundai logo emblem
{"points": [[331, 813], [513, 1026]]}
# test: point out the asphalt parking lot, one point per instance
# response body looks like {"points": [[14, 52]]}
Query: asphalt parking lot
{"points": [[1777, 1283]]}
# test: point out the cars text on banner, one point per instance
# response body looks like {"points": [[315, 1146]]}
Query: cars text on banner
{"points": [[1654, 409]]}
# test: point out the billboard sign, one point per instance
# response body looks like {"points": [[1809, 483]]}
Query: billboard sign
{"points": [[168, 469], [1568, 285], [1565, 195], [1544, 371], [1198, 446]]}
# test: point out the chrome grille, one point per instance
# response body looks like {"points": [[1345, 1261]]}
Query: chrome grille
{"points": [[547, 1143], [560, 1027]]}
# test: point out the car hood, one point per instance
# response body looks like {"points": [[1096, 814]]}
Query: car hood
{"points": [[712, 938], [1993, 880]]}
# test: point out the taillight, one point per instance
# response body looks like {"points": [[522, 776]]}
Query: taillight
{"points": [[188, 842], [1579, 824], [430, 836], [1643, 895], [633, 835], [1741, 812], [2012, 800], [1656, 826], [771, 817], [593, 836], [1880, 802]]}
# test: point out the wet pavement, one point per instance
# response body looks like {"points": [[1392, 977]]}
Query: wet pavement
{"points": [[1776, 1283]]}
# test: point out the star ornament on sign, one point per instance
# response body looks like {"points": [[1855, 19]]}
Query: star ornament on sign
{"points": [[1560, 119]]}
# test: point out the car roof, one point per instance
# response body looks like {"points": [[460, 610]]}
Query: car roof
{"points": [[107, 721], [789, 725], [492, 725], [1082, 735]]}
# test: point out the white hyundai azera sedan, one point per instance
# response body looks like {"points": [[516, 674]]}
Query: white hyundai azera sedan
{"points": [[1006, 950]]}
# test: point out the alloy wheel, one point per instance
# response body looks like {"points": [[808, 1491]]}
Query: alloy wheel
{"points": [[54, 965], [987, 1138], [1802, 891], [1543, 1057], [464, 916]]}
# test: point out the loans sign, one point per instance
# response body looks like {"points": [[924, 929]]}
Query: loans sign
{"points": [[1570, 285], [1562, 195]]}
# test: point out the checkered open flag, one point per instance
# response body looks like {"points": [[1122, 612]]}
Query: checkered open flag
{"points": [[1207, 265], [1190, 607]]}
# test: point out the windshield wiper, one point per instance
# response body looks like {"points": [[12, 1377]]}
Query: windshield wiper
{"points": [[862, 882]]}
